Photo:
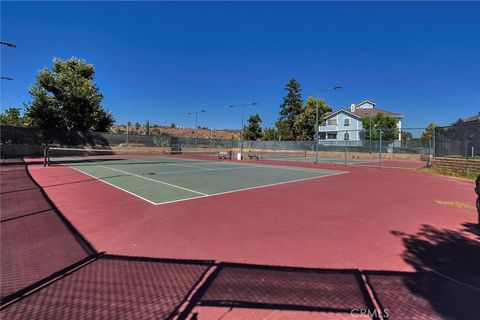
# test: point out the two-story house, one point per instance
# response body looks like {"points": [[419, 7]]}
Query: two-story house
{"points": [[346, 124]]}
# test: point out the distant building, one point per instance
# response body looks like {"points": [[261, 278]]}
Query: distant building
{"points": [[346, 124], [470, 120], [462, 138]]}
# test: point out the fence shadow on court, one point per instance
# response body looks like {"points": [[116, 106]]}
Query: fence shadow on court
{"points": [[49, 271]]}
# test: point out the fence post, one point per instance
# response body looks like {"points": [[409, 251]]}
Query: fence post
{"points": [[434, 144], [346, 152], [380, 156]]}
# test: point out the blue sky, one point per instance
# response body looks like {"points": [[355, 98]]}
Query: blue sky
{"points": [[157, 61]]}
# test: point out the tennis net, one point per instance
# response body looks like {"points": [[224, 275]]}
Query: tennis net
{"points": [[279, 155], [133, 155]]}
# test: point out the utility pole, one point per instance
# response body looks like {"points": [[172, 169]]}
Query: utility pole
{"points": [[242, 106], [315, 143], [196, 127]]}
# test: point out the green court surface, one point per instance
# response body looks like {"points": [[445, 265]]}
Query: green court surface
{"points": [[311, 159], [161, 180]]}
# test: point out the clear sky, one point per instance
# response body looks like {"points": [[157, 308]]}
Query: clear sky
{"points": [[157, 61]]}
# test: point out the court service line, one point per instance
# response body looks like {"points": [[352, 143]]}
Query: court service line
{"points": [[115, 186], [205, 169], [157, 181], [257, 165], [141, 161], [252, 188]]}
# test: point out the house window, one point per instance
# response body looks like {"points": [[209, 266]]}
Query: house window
{"points": [[323, 135], [346, 122], [346, 136], [332, 136], [332, 122]]}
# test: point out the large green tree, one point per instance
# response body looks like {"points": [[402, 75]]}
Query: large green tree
{"points": [[66, 97], [253, 131], [284, 130], [13, 117], [270, 134], [305, 124], [380, 123], [290, 109], [427, 135]]}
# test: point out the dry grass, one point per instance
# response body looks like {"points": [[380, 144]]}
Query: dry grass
{"points": [[455, 204], [467, 175]]}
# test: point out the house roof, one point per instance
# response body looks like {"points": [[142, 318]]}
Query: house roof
{"points": [[331, 114], [366, 101], [367, 113], [475, 118]]}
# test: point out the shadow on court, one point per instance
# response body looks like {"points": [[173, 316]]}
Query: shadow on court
{"points": [[49, 271], [447, 281]]}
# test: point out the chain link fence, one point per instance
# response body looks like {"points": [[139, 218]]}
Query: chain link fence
{"points": [[64, 138], [458, 141], [376, 147]]}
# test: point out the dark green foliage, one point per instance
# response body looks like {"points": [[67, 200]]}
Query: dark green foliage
{"points": [[147, 128], [291, 108], [305, 124], [380, 123], [270, 134], [13, 117], [427, 135], [66, 98], [253, 131], [406, 136], [285, 131]]}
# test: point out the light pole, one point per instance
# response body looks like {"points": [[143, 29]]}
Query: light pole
{"points": [[273, 127], [196, 126], [8, 45], [315, 144], [242, 106]]}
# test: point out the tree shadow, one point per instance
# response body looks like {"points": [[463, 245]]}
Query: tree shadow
{"points": [[448, 269]]}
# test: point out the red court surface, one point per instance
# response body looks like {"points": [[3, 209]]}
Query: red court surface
{"points": [[368, 219]]}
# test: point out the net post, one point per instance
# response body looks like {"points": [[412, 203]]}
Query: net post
{"points": [[45, 157]]}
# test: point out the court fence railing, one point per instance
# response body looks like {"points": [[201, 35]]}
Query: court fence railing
{"points": [[461, 140], [375, 145]]}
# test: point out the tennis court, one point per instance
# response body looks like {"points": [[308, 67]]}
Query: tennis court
{"points": [[171, 178]]}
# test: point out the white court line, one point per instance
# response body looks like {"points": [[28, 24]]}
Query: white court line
{"points": [[157, 181], [252, 188], [111, 184], [203, 170], [254, 165], [204, 195]]}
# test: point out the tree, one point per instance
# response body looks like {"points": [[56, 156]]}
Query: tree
{"points": [[291, 108], [380, 121], [406, 136], [147, 128], [427, 135], [67, 98], [285, 132], [270, 134], [253, 131], [173, 126], [305, 123], [13, 117]]}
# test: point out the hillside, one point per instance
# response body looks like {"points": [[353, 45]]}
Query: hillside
{"points": [[179, 132]]}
